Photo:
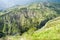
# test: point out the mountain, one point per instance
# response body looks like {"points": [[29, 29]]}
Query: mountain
{"points": [[28, 19], [25, 17]]}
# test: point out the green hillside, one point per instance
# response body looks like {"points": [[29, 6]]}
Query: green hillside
{"points": [[33, 22], [51, 33]]}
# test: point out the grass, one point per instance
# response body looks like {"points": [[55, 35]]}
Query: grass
{"points": [[51, 31]]}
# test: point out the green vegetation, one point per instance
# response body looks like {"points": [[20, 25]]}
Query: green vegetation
{"points": [[32, 22], [51, 33]]}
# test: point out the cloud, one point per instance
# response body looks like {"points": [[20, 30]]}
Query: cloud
{"points": [[10, 3], [6, 3]]}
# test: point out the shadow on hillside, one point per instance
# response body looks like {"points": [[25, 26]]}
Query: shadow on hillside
{"points": [[2, 34], [43, 23]]}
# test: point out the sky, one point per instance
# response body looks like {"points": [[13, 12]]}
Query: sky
{"points": [[10, 3]]}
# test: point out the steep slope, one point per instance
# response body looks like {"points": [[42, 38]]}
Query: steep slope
{"points": [[52, 30], [51, 22], [51, 33], [20, 19]]}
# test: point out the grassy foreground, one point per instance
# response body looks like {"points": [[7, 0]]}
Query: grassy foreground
{"points": [[51, 31]]}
